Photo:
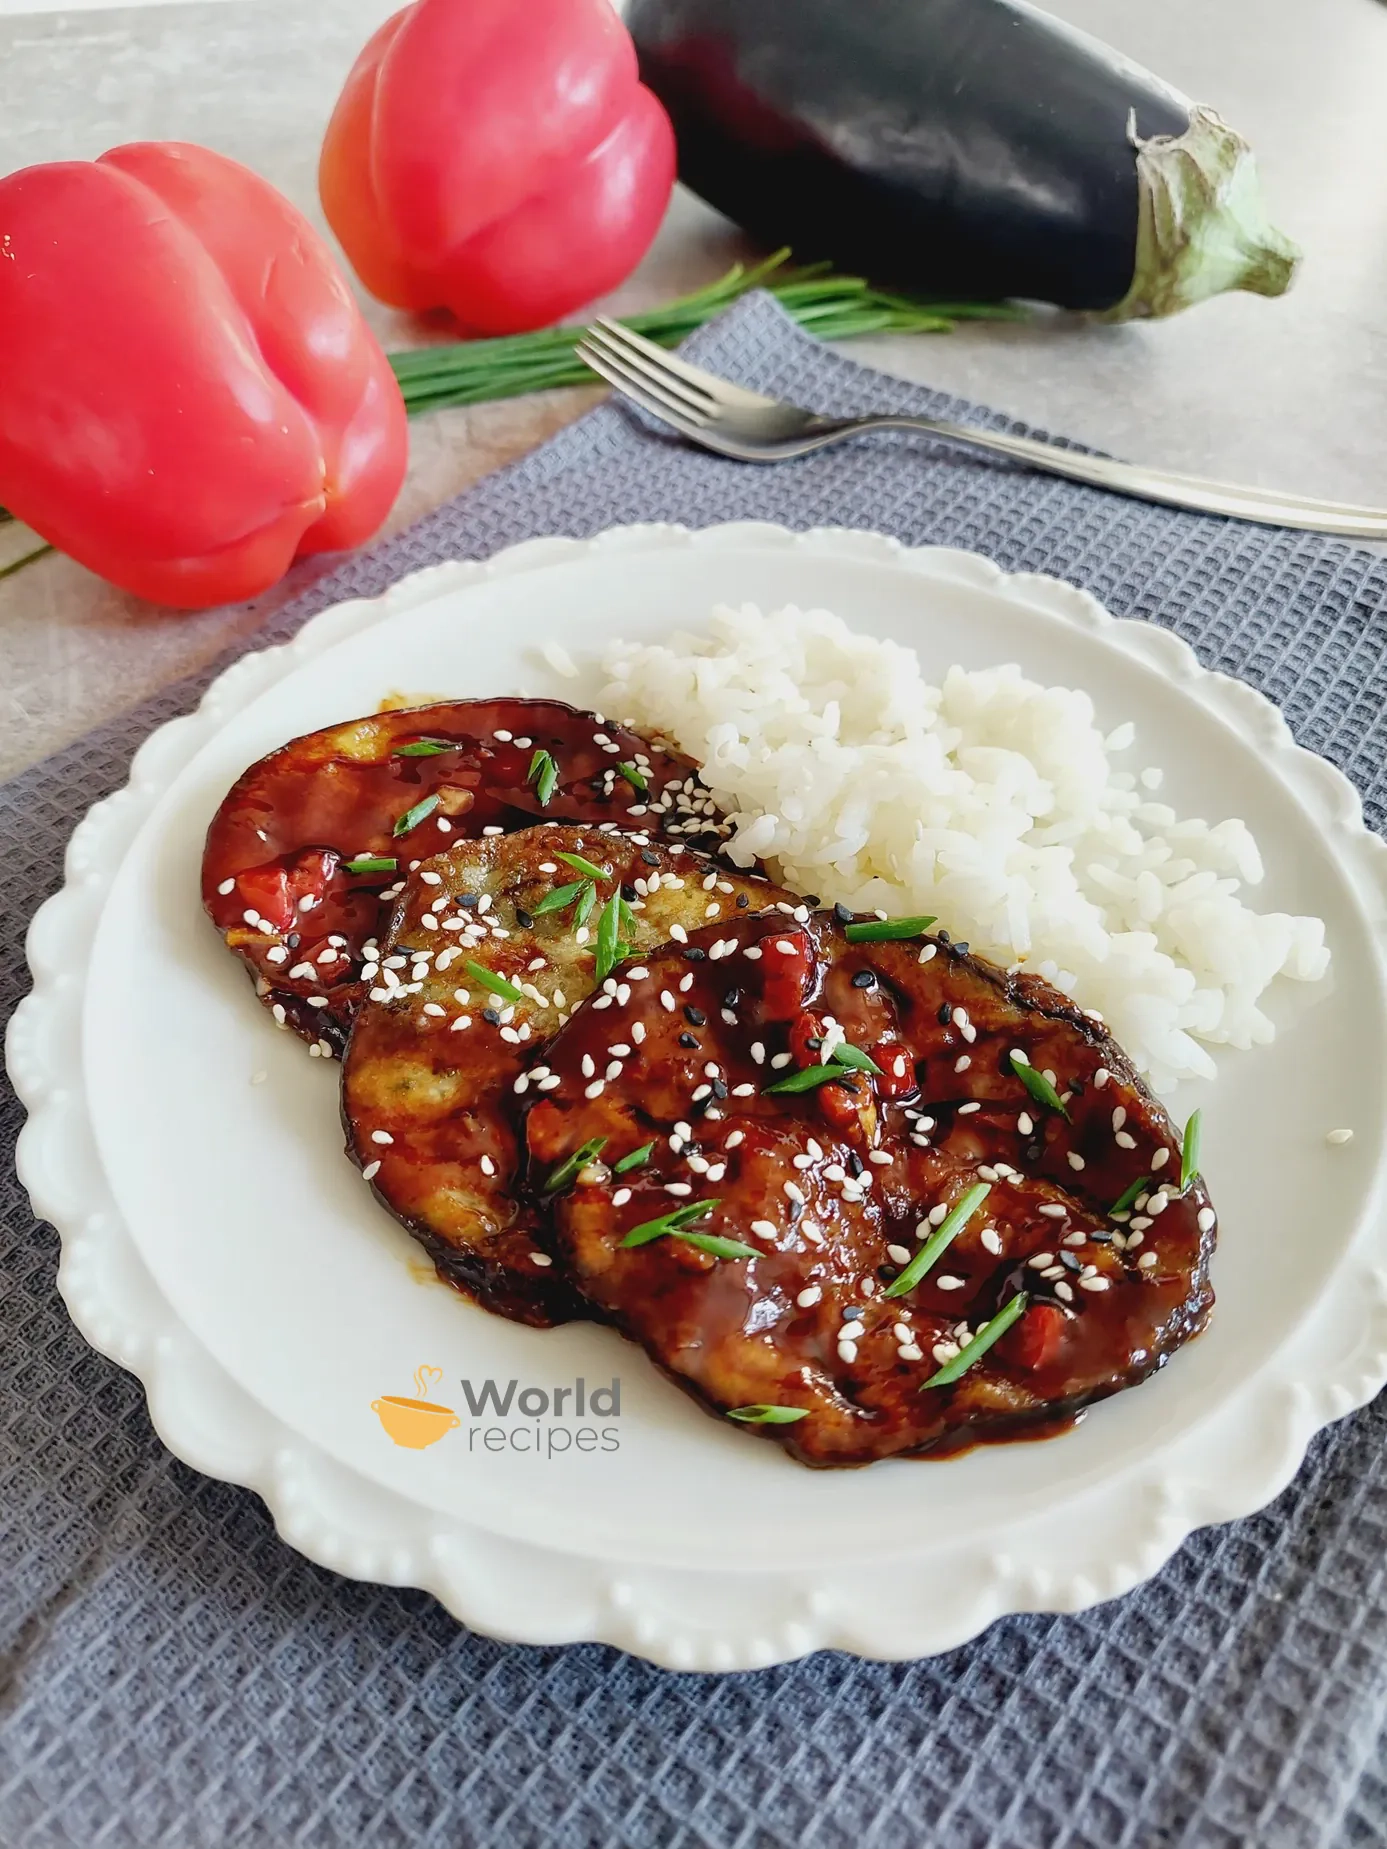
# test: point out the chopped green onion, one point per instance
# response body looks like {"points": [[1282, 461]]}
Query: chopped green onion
{"points": [[853, 1056], [544, 774], [1128, 1195], [628, 918], [882, 930], [649, 1230], [556, 900], [370, 863], [1189, 1150], [413, 817], [634, 778], [425, 747], [1038, 1085], [768, 1415], [497, 984], [587, 898], [944, 1236], [579, 865], [981, 1342], [608, 933], [637, 1159], [716, 1246], [807, 1078], [561, 1176]]}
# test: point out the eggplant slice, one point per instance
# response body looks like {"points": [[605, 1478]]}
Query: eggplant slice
{"points": [[491, 946], [832, 1189], [280, 873]]}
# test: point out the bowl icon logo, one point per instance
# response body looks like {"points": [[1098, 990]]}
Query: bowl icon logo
{"points": [[419, 1422]]}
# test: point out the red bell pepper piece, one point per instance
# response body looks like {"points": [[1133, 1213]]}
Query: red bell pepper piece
{"points": [[785, 975], [1035, 1341], [192, 398], [500, 160]]}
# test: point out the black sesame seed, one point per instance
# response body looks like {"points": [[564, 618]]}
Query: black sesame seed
{"points": [[469, 900], [961, 949], [694, 954], [853, 1314], [1070, 1263], [946, 1014], [650, 857], [943, 936], [843, 913], [719, 1088], [695, 1017], [1034, 1152], [493, 1015], [523, 919], [865, 979], [628, 892], [732, 997], [854, 1163], [687, 1040], [293, 940], [814, 1043], [742, 901], [1100, 1239], [887, 1273]]}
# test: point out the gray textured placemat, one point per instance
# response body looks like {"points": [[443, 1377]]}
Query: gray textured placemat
{"points": [[172, 1674]]}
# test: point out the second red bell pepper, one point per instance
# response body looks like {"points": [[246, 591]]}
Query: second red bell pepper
{"points": [[191, 397], [499, 160]]}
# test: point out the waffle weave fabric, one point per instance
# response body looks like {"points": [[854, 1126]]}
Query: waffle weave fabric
{"points": [[172, 1674]]}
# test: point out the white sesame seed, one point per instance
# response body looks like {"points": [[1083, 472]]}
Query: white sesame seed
{"points": [[766, 1229], [594, 1090], [780, 1060], [1063, 1292], [1075, 1239], [226, 887], [463, 1021], [678, 1187], [898, 1255], [930, 950], [679, 934], [1135, 1239], [1053, 1271], [1148, 1261], [751, 951], [735, 1141], [381, 1136], [991, 1241], [1125, 1140], [882, 1157], [809, 1297], [1158, 1202], [1161, 1157], [700, 1092], [743, 1091], [1076, 1161], [1039, 1260], [811, 1232], [1207, 1220], [793, 1192], [986, 1172], [1339, 1137], [936, 1216], [966, 1110], [962, 1063], [637, 1027], [1094, 1283], [1054, 1211], [686, 983], [758, 1052], [1101, 1077], [948, 1282]]}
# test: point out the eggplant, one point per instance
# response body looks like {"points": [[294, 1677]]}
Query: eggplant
{"points": [[960, 148]]}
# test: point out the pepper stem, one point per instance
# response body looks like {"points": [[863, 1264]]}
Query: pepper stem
{"points": [[1202, 226]]}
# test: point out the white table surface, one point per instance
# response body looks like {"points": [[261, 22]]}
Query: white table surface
{"points": [[1291, 393]]}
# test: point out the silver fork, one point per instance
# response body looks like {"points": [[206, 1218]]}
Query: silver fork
{"points": [[753, 428]]}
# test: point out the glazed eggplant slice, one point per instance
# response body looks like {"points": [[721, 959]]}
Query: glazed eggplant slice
{"points": [[866, 1151], [308, 852], [490, 948]]}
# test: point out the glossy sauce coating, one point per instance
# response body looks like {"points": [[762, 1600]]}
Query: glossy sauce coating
{"points": [[836, 1188], [437, 1062], [275, 879]]}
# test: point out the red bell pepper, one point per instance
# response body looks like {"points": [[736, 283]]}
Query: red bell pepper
{"points": [[191, 397], [498, 159]]}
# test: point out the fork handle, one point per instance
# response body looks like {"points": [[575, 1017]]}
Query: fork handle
{"points": [[1188, 491]]}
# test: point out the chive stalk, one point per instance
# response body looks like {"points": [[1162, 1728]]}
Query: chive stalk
{"points": [[943, 1237], [973, 1351]]}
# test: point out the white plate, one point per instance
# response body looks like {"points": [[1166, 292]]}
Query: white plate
{"points": [[216, 1241]]}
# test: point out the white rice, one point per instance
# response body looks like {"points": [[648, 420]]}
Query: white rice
{"points": [[992, 802]]}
